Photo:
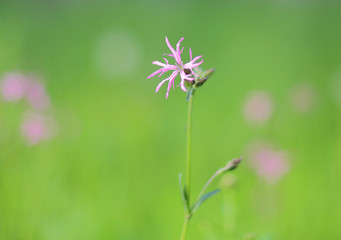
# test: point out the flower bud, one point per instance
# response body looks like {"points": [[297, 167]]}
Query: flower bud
{"points": [[233, 164], [203, 77], [189, 84]]}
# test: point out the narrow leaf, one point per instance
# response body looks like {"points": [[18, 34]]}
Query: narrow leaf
{"points": [[203, 199], [183, 193], [189, 94]]}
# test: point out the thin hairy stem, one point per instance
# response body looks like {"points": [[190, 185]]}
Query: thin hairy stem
{"points": [[188, 169]]}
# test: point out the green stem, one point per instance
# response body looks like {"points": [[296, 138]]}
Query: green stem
{"points": [[229, 166], [184, 228], [188, 171], [216, 174]]}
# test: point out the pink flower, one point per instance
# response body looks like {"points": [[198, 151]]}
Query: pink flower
{"points": [[13, 87], [36, 128], [258, 107], [16, 86], [270, 164], [36, 95], [185, 70]]}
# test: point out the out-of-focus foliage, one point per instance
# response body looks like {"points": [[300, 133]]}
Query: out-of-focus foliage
{"points": [[109, 167]]}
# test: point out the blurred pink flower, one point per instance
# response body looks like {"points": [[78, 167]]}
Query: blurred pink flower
{"points": [[185, 70], [36, 128], [258, 107], [303, 97], [270, 164], [13, 87], [36, 95]]}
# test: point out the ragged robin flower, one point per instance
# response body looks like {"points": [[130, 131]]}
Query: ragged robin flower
{"points": [[185, 70]]}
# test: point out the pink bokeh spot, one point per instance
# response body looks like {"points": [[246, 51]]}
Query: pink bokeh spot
{"points": [[258, 107], [16, 86], [13, 87], [36, 95], [36, 128], [270, 164]]}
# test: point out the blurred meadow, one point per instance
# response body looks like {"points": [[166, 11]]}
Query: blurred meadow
{"points": [[89, 151]]}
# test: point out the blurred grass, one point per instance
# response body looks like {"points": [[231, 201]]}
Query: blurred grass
{"points": [[111, 172]]}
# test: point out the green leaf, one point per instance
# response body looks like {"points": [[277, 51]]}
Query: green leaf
{"points": [[183, 191], [203, 199], [189, 94]]}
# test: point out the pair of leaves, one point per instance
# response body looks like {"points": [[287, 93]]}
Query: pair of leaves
{"points": [[198, 202], [230, 165]]}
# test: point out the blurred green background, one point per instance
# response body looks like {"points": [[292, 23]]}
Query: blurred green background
{"points": [[110, 170]]}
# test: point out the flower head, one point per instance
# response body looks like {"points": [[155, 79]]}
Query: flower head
{"points": [[270, 164], [13, 87], [36, 95], [36, 128], [184, 70], [267, 162]]}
